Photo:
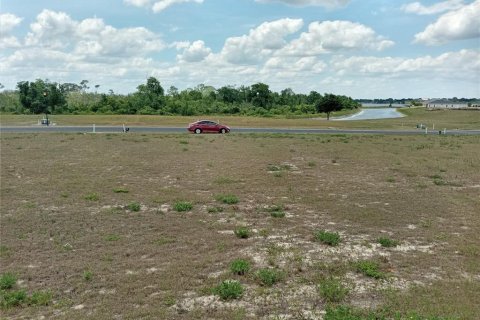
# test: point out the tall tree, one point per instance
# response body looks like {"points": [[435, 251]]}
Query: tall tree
{"points": [[260, 95], [41, 96]]}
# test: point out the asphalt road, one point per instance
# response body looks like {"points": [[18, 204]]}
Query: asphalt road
{"points": [[142, 129]]}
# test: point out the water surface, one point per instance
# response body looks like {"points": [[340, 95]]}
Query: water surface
{"points": [[377, 113]]}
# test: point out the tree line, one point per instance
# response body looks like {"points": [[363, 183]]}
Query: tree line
{"points": [[46, 97]]}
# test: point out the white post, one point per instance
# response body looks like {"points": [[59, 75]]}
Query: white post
{"points": [[124, 127], [444, 130], [426, 130], [93, 128]]}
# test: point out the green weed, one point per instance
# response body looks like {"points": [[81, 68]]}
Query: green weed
{"points": [[227, 198], [242, 232], [240, 266], [7, 281], [134, 206], [330, 238], [182, 206], [387, 242], [229, 289], [370, 269], [92, 197], [332, 290], [268, 277]]}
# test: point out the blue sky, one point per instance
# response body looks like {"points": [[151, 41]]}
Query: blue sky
{"points": [[359, 48]]}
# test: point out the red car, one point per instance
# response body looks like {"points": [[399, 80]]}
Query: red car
{"points": [[207, 126]]}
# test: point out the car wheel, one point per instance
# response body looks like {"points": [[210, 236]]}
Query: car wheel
{"points": [[223, 130], [198, 130]]}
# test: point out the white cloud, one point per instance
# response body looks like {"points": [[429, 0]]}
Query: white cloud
{"points": [[331, 36], [304, 3], [195, 52], [159, 5], [90, 37], [463, 23], [463, 64], [8, 22], [260, 42], [418, 8]]}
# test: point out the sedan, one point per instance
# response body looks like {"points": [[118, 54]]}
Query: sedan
{"points": [[207, 126]]}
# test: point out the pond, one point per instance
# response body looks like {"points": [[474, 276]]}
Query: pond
{"points": [[376, 113]]}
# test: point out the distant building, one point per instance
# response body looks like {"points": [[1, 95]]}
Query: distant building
{"points": [[449, 104]]}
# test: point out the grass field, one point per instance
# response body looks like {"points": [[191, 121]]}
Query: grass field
{"points": [[135, 226], [450, 119]]}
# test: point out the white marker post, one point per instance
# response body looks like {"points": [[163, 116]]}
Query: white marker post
{"points": [[444, 130], [124, 128], [93, 128], [426, 130]]}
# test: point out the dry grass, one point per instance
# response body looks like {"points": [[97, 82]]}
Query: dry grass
{"points": [[164, 263], [450, 119]]}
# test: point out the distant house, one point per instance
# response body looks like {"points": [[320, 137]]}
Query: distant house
{"points": [[449, 104]]}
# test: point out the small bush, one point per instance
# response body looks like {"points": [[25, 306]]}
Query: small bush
{"points": [[228, 290], [330, 238], [87, 275], [134, 206], [332, 290], [40, 298], [240, 266], [10, 299], [182, 206], [120, 190], [112, 237], [215, 209], [4, 251], [268, 277], [7, 281], [277, 214], [387, 242], [92, 197], [242, 232], [370, 269], [227, 198]]}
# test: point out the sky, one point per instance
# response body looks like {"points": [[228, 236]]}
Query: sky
{"points": [[359, 48]]}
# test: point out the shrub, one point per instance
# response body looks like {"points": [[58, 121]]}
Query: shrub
{"points": [[134, 206], [370, 269], [268, 277], [227, 198], [229, 289], [12, 298], [7, 281], [120, 190], [240, 266], [332, 290], [40, 298], [387, 242], [242, 232], [182, 206], [330, 238]]}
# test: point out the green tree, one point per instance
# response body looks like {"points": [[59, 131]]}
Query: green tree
{"points": [[150, 97], [328, 104], [41, 96], [261, 96]]}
